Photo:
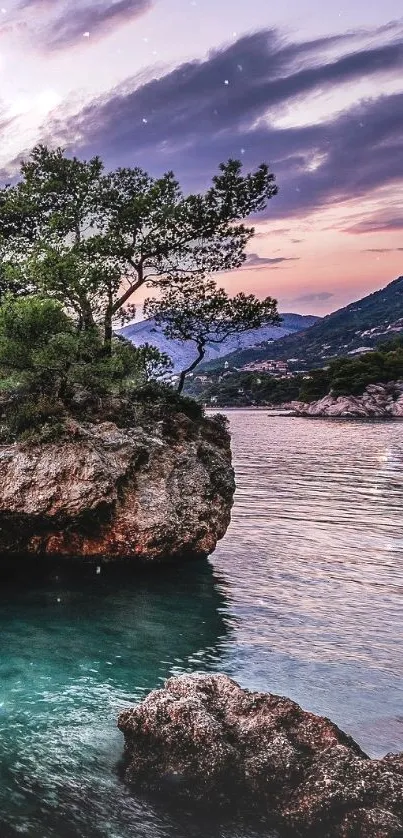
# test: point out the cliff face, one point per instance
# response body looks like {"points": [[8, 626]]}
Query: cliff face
{"points": [[377, 401], [204, 737], [106, 492]]}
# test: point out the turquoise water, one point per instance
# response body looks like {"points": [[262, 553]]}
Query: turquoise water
{"points": [[302, 597], [73, 655]]}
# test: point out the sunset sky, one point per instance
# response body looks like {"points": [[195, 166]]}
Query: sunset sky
{"points": [[314, 89]]}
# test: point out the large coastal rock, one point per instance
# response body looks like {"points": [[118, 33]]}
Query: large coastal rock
{"points": [[108, 492], [378, 401], [204, 737]]}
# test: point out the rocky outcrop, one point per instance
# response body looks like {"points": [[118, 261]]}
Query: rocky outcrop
{"points": [[107, 492], [204, 737], [377, 401]]}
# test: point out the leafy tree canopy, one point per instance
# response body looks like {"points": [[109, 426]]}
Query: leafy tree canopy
{"points": [[206, 315], [91, 238], [77, 242]]}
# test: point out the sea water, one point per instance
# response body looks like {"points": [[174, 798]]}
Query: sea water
{"points": [[303, 597]]}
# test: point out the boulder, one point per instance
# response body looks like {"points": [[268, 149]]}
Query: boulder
{"points": [[106, 492], [378, 401], [205, 738]]}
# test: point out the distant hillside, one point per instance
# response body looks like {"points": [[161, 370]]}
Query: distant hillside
{"points": [[182, 354], [378, 375], [358, 327]]}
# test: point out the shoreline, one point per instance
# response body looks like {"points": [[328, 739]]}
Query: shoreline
{"points": [[279, 411], [292, 414]]}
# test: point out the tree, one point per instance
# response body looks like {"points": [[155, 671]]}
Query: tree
{"points": [[91, 239], [206, 314], [11, 228], [246, 388]]}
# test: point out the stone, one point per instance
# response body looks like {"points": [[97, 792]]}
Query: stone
{"points": [[378, 401], [203, 737], [142, 493]]}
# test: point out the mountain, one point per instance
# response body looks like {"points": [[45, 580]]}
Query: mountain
{"points": [[183, 353], [358, 327]]}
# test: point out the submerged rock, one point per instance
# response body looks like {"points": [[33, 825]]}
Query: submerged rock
{"points": [[144, 493], [379, 401], [204, 737]]}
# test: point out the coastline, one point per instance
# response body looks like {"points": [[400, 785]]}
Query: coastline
{"points": [[293, 414], [377, 401]]}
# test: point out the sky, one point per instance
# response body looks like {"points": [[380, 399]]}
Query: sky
{"points": [[313, 89]]}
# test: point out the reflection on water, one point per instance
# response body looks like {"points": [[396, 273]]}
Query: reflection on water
{"points": [[314, 562], [302, 597]]}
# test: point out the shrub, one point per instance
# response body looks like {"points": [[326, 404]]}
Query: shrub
{"points": [[45, 360], [29, 416], [220, 420], [160, 395]]}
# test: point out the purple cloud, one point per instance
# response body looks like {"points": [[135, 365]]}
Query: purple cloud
{"points": [[315, 297], [255, 261], [190, 119], [73, 20], [377, 224]]}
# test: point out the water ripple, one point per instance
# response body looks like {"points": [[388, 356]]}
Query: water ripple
{"points": [[302, 597], [314, 567]]}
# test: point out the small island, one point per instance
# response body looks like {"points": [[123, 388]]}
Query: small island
{"points": [[100, 458]]}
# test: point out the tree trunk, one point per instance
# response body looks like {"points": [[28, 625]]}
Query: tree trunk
{"points": [[62, 388], [130, 291], [202, 351], [86, 315], [108, 333]]}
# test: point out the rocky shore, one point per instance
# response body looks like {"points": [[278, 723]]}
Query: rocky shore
{"points": [[379, 401], [204, 738], [105, 492]]}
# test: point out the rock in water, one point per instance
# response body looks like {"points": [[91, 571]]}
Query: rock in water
{"points": [[204, 737], [378, 401], [140, 494]]}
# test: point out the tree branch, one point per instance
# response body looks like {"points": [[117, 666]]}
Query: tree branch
{"points": [[132, 288]]}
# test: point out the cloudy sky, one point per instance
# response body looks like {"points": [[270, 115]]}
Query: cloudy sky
{"points": [[314, 89]]}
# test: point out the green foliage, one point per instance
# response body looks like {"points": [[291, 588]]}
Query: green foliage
{"points": [[343, 376], [35, 342], [40, 419], [350, 376], [168, 400], [206, 314], [45, 361], [77, 242], [391, 345], [241, 389], [91, 238], [155, 364], [316, 386]]}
